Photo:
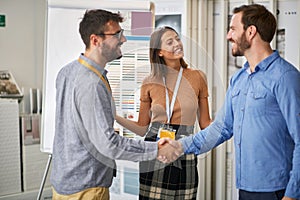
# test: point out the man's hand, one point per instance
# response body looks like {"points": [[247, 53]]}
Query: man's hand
{"points": [[168, 150]]}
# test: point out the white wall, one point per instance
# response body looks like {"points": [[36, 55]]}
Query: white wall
{"points": [[22, 40]]}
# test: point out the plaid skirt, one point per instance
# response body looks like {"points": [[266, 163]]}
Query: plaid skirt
{"points": [[177, 180]]}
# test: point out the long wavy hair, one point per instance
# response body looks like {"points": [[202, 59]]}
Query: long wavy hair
{"points": [[158, 64]]}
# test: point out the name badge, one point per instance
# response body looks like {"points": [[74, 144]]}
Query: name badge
{"points": [[166, 131]]}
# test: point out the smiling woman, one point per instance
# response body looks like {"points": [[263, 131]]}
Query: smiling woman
{"points": [[171, 99]]}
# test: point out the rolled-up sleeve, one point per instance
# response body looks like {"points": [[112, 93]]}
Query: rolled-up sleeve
{"points": [[94, 118]]}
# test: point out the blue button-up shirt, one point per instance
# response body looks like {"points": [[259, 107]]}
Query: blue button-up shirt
{"points": [[262, 111]]}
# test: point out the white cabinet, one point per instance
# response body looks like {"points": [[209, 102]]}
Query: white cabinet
{"points": [[10, 157]]}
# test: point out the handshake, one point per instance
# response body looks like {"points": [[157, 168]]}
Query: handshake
{"points": [[169, 150]]}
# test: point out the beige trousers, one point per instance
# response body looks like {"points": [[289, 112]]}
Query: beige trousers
{"points": [[96, 193]]}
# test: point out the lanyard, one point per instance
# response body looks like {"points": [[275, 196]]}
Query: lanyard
{"points": [[170, 107], [84, 63]]}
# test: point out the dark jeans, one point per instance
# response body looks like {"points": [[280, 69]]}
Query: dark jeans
{"points": [[277, 195]]}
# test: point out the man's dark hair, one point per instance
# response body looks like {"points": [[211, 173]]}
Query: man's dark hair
{"points": [[258, 16], [94, 22]]}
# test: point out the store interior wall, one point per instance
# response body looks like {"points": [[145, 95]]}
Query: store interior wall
{"points": [[22, 40]]}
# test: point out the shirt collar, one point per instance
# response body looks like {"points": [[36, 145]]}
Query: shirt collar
{"points": [[95, 65], [264, 64]]}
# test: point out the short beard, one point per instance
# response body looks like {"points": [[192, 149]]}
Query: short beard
{"points": [[242, 45], [110, 54]]}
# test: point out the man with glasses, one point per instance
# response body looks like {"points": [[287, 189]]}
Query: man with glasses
{"points": [[85, 144]]}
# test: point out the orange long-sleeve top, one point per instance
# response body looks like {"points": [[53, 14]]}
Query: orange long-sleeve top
{"points": [[192, 88]]}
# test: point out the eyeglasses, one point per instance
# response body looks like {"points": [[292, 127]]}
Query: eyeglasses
{"points": [[117, 34]]}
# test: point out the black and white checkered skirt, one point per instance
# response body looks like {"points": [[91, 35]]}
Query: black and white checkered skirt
{"points": [[177, 180]]}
